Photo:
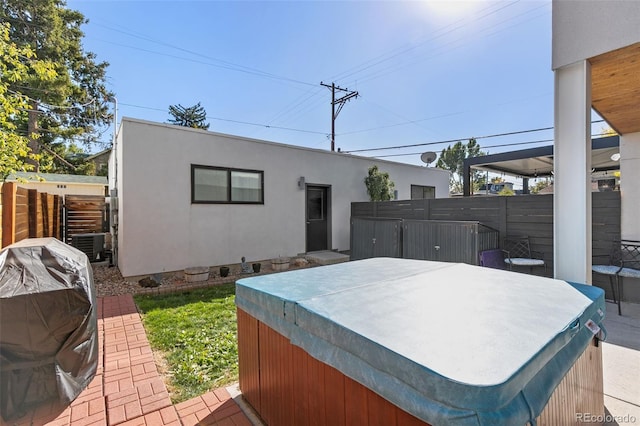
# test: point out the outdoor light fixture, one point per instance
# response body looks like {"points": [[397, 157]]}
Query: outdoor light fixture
{"points": [[301, 182]]}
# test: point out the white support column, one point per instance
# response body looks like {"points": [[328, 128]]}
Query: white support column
{"points": [[572, 173], [629, 188]]}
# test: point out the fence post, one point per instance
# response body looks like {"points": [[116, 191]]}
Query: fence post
{"points": [[57, 213], [9, 213]]}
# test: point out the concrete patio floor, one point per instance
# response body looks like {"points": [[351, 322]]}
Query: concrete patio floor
{"points": [[621, 364], [129, 391]]}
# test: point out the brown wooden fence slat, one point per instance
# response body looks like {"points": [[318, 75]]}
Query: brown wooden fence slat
{"points": [[27, 213], [84, 214], [44, 200], [8, 213]]}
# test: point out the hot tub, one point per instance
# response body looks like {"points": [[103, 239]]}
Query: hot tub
{"points": [[399, 341]]}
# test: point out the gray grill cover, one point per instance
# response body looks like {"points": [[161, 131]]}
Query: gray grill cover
{"points": [[48, 325]]}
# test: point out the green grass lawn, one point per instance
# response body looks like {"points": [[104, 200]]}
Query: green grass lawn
{"points": [[196, 332]]}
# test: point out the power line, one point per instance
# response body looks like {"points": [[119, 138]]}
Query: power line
{"points": [[404, 123], [416, 121], [46, 105], [220, 62], [484, 147], [446, 141], [254, 71], [488, 146], [401, 51], [445, 48], [350, 72], [519, 132], [248, 123]]}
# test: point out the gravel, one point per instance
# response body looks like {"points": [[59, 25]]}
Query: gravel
{"points": [[109, 281]]}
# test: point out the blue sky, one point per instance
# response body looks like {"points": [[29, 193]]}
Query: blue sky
{"points": [[426, 71]]}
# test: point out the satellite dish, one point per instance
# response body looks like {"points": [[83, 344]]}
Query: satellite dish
{"points": [[428, 157]]}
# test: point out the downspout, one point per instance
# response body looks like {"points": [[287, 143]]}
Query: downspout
{"points": [[115, 204]]}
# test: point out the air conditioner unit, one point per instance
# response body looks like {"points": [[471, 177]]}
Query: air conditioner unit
{"points": [[90, 244]]}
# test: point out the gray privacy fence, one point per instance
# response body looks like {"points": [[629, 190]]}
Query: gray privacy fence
{"points": [[530, 215], [448, 241]]}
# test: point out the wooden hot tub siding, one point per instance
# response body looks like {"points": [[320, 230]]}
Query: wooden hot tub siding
{"points": [[286, 386]]}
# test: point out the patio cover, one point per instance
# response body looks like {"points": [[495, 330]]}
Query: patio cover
{"points": [[48, 325], [538, 162]]}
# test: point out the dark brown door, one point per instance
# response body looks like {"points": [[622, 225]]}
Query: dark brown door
{"points": [[317, 218]]}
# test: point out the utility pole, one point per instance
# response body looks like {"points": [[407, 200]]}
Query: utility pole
{"points": [[340, 102]]}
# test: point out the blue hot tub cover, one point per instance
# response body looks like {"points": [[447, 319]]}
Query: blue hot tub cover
{"points": [[449, 343]]}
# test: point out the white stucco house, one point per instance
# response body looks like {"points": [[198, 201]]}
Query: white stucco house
{"points": [[189, 197], [596, 62]]}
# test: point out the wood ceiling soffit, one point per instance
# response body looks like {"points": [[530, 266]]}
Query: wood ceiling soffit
{"points": [[615, 88]]}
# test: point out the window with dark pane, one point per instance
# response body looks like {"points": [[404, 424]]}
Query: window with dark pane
{"points": [[314, 204]]}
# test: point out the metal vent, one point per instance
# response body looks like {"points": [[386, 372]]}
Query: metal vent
{"points": [[90, 244]]}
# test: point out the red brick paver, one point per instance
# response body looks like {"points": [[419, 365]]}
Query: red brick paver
{"points": [[127, 389]]}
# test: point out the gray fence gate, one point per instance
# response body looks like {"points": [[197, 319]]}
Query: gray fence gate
{"points": [[372, 237], [448, 241]]}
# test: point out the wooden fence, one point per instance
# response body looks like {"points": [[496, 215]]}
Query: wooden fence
{"points": [[27, 213], [84, 214], [530, 215]]}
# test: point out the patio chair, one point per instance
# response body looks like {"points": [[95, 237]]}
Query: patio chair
{"points": [[518, 253], [624, 262]]}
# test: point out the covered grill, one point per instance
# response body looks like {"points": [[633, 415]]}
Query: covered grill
{"points": [[48, 325]]}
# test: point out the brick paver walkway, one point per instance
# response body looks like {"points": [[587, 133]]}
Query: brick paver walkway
{"points": [[127, 389]]}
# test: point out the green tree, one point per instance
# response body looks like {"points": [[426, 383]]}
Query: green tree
{"points": [[452, 159], [67, 158], [540, 185], [75, 103], [17, 64], [379, 185], [193, 116], [506, 191]]}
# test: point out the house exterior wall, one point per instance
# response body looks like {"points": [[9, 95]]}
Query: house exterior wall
{"points": [[101, 161], [630, 190], [584, 29], [159, 229]]}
